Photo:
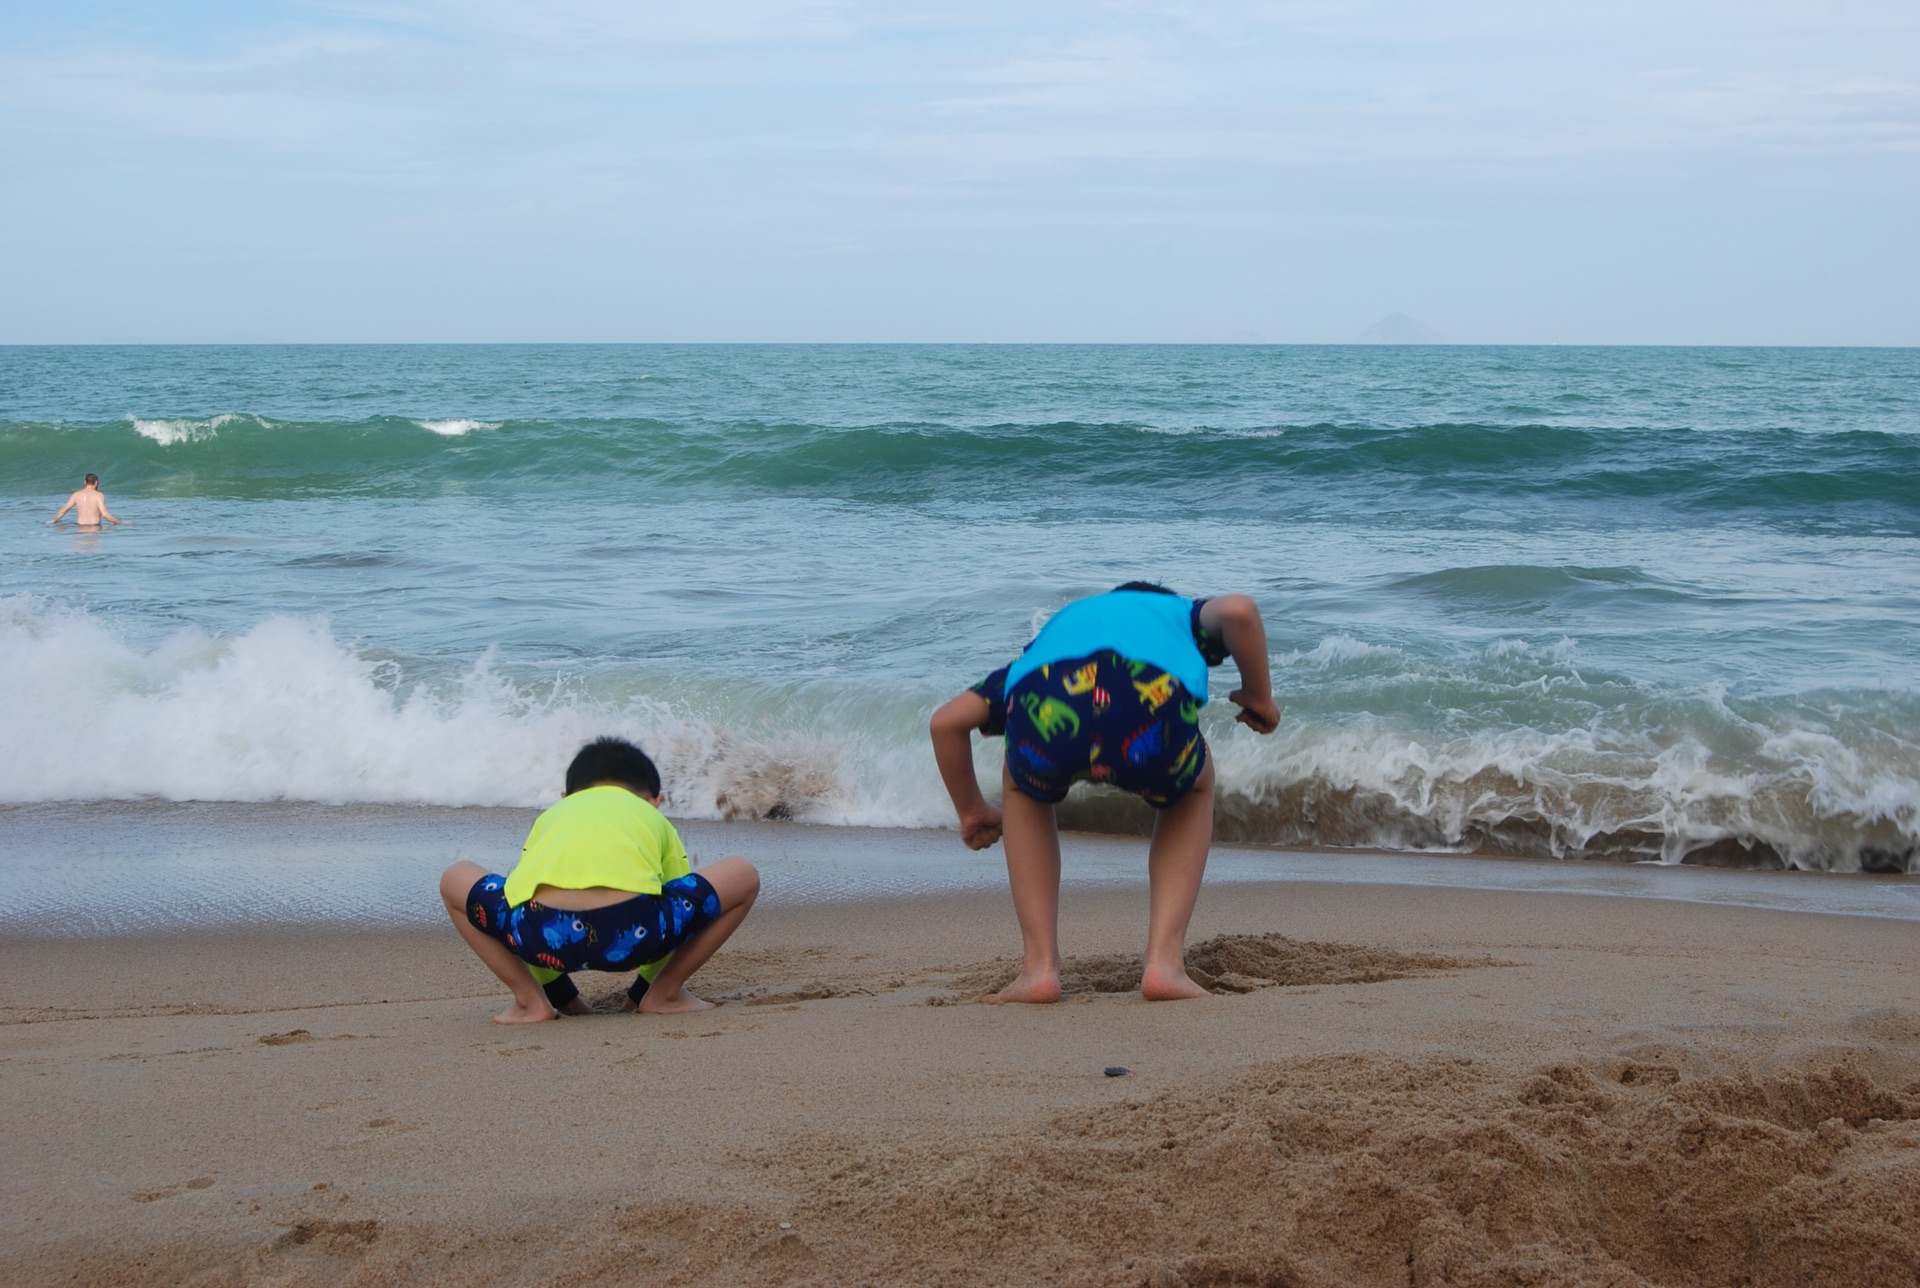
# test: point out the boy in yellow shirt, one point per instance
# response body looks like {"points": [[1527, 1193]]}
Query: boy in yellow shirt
{"points": [[603, 883]]}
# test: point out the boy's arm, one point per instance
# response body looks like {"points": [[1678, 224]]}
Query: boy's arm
{"points": [[1236, 620], [71, 502], [952, 729], [107, 514]]}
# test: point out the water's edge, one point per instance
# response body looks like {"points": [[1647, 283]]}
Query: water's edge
{"points": [[89, 869]]}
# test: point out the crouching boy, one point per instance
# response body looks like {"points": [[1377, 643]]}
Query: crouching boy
{"points": [[602, 884]]}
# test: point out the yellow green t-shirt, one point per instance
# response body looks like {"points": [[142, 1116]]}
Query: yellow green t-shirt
{"points": [[599, 836]]}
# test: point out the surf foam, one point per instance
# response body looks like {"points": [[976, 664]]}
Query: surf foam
{"points": [[169, 432], [287, 711], [455, 428]]}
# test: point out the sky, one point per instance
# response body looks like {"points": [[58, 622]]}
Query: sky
{"points": [[764, 170]]}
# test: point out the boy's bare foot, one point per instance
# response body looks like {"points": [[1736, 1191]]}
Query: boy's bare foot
{"points": [[578, 1006], [1165, 986], [1037, 989], [679, 1003], [518, 1014]]}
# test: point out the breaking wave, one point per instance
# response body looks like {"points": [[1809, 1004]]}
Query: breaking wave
{"points": [[1510, 751], [169, 432], [1847, 476]]}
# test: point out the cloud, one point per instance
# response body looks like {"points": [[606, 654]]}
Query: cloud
{"points": [[348, 128], [1254, 81]]}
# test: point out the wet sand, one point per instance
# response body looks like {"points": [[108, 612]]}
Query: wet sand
{"points": [[1394, 1085]]}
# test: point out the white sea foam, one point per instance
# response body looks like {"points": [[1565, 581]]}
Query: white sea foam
{"points": [[455, 428], [1335, 649], [1514, 646], [169, 432], [287, 711], [1614, 787]]}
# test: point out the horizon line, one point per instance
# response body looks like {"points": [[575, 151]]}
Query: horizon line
{"points": [[931, 344]]}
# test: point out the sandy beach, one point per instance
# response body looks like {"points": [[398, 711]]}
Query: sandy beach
{"points": [[1393, 1085]]}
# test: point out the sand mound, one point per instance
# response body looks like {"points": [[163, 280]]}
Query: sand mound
{"points": [[1239, 963], [1326, 1172], [1230, 964], [1368, 1170]]}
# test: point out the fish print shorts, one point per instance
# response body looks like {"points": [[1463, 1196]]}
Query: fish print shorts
{"points": [[1104, 719], [621, 936]]}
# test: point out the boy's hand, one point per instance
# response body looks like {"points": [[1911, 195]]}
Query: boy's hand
{"points": [[981, 828], [1262, 715]]}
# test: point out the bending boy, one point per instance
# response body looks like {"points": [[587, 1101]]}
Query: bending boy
{"points": [[1110, 691], [602, 884]]}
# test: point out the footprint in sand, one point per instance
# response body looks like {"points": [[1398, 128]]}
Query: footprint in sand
{"points": [[1226, 964], [333, 1236], [380, 1129], [155, 1193]]}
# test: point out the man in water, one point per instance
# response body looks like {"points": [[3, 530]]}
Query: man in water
{"points": [[89, 506]]}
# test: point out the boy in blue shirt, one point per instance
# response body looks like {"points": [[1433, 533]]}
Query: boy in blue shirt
{"points": [[1109, 691]]}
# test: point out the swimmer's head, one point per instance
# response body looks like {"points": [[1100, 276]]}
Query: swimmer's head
{"points": [[614, 760], [1151, 587], [93, 480]]}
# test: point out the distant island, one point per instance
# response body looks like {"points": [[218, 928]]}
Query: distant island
{"points": [[1398, 328]]}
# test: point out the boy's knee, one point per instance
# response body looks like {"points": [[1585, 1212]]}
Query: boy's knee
{"points": [[742, 879], [457, 882], [749, 876]]}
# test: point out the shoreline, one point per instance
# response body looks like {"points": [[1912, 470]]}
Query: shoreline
{"points": [[1449, 1086], [94, 869]]}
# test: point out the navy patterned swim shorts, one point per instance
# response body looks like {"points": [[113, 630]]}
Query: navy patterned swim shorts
{"points": [[619, 937], [1106, 719]]}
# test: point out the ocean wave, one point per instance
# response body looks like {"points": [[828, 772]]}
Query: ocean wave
{"points": [[1612, 790], [1826, 475], [286, 711], [1399, 754], [1520, 588], [169, 432], [457, 427], [1342, 650]]}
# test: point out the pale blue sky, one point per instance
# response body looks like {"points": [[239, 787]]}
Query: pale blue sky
{"points": [[1624, 172]]}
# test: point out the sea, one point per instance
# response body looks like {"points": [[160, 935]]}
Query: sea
{"points": [[1554, 604]]}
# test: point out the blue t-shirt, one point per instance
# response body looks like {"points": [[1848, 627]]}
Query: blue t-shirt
{"points": [[1142, 625]]}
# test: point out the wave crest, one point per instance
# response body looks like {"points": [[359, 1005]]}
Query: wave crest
{"points": [[456, 428], [286, 711], [169, 432], [1775, 471]]}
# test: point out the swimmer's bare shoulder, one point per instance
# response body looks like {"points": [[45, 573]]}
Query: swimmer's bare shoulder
{"points": [[89, 506]]}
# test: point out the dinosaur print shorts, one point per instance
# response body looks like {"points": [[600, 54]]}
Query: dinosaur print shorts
{"points": [[621, 936], [1104, 719]]}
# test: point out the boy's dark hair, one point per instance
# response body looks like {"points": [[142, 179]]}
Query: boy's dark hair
{"points": [[613, 760], [1151, 587], [94, 479]]}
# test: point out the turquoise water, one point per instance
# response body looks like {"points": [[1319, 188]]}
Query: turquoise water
{"points": [[1647, 603]]}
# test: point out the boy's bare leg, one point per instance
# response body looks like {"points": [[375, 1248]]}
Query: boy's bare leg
{"points": [[530, 1005], [737, 883], [1176, 862], [1033, 871]]}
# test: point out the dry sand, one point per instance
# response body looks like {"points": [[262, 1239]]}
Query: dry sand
{"points": [[1395, 1086]]}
